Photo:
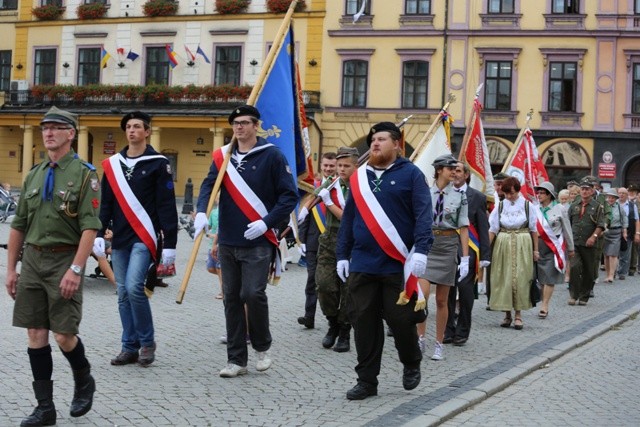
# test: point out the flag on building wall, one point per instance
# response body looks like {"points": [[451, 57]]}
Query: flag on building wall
{"points": [[201, 52], [173, 61], [104, 57], [132, 55], [120, 51], [190, 54], [437, 144], [475, 154], [278, 106]]}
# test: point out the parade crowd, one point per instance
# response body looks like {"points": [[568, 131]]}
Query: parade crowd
{"points": [[376, 238]]}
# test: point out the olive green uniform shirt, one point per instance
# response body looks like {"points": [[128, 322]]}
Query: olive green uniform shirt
{"points": [[584, 226], [74, 208]]}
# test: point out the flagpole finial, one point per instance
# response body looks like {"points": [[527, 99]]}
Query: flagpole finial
{"points": [[479, 89], [530, 115], [451, 97]]}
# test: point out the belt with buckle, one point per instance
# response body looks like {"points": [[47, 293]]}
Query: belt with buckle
{"points": [[445, 232], [60, 248]]}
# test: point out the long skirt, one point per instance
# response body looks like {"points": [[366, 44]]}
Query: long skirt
{"points": [[612, 242], [442, 262], [511, 271], [548, 274]]}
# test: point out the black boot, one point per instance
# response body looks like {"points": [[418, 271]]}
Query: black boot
{"points": [[85, 386], [45, 413], [332, 334], [342, 345]]}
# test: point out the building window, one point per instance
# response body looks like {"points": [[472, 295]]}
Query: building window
{"points": [[500, 6], [418, 7], [51, 2], [415, 78], [354, 83], [8, 4], [635, 103], [45, 67], [157, 66], [566, 161], [353, 6], [637, 7], [5, 70], [565, 6], [88, 66], [497, 85], [227, 69], [562, 86]]}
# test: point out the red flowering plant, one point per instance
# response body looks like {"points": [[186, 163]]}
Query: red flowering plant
{"points": [[232, 7], [281, 6], [48, 12], [160, 8], [91, 10]]}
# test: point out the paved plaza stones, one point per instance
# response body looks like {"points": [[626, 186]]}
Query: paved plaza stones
{"points": [[306, 384]]}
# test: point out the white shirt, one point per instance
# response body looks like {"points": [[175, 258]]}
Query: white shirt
{"points": [[513, 216]]}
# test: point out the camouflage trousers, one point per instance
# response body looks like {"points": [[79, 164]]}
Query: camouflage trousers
{"points": [[332, 292]]}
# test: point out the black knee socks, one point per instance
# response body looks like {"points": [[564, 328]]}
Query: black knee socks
{"points": [[76, 357], [41, 362]]}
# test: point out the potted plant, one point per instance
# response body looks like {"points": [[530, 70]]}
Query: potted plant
{"points": [[91, 10], [48, 12], [281, 6], [160, 8], [231, 7]]}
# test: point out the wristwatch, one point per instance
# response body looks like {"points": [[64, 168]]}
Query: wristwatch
{"points": [[77, 270]]}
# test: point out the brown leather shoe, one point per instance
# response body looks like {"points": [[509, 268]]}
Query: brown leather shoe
{"points": [[125, 358]]}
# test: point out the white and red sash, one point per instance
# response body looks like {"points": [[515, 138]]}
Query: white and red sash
{"points": [[337, 196], [134, 211], [555, 244], [383, 230], [243, 196]]}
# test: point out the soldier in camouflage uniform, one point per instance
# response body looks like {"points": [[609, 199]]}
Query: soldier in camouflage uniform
{"points": [[588, 223], [332, 292], [56, 221]]}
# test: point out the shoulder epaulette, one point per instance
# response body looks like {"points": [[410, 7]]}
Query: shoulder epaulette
{"points": [[89, 165], [35, 166]]}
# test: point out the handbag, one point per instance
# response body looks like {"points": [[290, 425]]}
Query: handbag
{"points": [[534, 290]]}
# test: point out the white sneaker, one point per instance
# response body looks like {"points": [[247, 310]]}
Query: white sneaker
{"points": [[232, 370], [223, 339], [437, 354], [422, 343], [264, 362]]}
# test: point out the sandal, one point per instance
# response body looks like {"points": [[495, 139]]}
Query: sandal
{"points": [[506, 323], [219, 296], [517, 324], [542, 314]]}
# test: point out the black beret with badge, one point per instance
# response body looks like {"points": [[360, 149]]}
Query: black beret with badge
{"points": [[244, 110], [146, 119], [382, 127]]}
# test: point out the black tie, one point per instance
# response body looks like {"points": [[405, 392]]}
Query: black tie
{"points": [[437, 215]]}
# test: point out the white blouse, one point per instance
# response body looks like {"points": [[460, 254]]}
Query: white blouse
{"points": [[513, 216]]}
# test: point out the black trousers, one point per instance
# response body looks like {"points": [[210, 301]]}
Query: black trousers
{"points": [[466, 297], [371, 299], [311, 298]]}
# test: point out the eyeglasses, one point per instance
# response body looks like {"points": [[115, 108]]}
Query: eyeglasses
{"points": [[54, 128], [242, 123]]}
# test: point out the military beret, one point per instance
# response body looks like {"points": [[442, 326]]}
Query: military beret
{"points": [[445, 160], [244, 110], [633, 187], [500, 176], [347, 152], [586, 182], [146, 119], [56, 115], [382, 127]]}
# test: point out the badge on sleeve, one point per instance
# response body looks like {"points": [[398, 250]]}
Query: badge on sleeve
{"points": [[95, 203], [169, 169], [95, 185]]}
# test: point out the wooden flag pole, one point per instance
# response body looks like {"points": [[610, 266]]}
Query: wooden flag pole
{"points": [[467, 132], [255, 92], [517, 144], [429, 133]]}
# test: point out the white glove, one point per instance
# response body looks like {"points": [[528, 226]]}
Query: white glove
{"points": [[463, 268], [326, 197], [418, 264], [485, 264], [343, 269], [200, 223], [303, 214], [302, 249], [255, 230], [98, 247], [168, 257]]}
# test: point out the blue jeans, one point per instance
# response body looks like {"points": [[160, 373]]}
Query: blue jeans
{"points": [[130, 268], [245, 275]]}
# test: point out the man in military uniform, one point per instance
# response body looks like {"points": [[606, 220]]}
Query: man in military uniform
{"points": [[588, 222], [55, 224]]}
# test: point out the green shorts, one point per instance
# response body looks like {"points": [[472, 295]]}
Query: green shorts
{"points": [[39, 304]]}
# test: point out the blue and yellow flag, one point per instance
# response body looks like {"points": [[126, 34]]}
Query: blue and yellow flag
{"points": [[278, 106], [104, 57]]}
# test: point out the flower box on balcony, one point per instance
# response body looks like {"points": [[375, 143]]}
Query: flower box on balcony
{"points": [[232, 7], [160, 8], [281, 6], [48, 12], [91, 11]]}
